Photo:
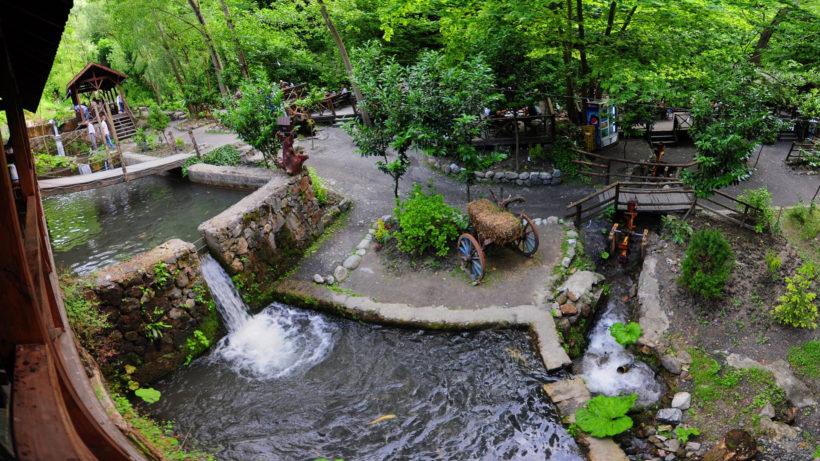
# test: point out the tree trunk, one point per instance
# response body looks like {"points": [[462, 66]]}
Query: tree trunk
{"points": [[610, 19], [171, 58], [628, 18], [766, 35], [572, 113], [223, 90], [243, 64], [346, 61], [582, 48]]}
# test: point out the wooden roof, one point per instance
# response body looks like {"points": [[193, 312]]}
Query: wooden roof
{"points": [[32, 30], [95, 77]]}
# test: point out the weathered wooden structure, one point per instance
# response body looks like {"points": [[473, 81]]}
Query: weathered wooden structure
{"points": [[56, 414], [104, 83]]}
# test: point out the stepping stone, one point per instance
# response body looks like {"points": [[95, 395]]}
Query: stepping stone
{"points": [[340, 273], [352, 262], [682, 400], [318, 279]]}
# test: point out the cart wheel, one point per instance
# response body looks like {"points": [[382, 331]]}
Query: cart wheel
{"points": [[472, 257], [613, 241], [644, 243], [528, 243]]}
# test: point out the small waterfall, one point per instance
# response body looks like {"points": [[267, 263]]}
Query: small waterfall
{"points": [[83, 168], [273, 343]]}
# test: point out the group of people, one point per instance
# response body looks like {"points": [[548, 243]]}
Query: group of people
{"points": [[103, 132]]}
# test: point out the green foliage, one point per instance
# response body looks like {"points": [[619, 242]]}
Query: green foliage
{"points": [[604, 255], [537, 153], [678, 230], [626, 334], [153, 330], [180, 144], [148, 394], [809, 104], [226, 155], [707, 264], [161, 273], [195, 345], [98, 156], [160, 436], [683, 433], [605, 416], [83, 314], [797, 307], [805, 358], [713, 383], [46, 163], [382, 234], [773, 262], [807, 218], [609, 213], [157, 119], [319, 189], [761, 210], [427, 223], [254, 116]]}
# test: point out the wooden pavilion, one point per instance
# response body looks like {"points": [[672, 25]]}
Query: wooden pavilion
{"points": [[102, 82], [48, 407]]}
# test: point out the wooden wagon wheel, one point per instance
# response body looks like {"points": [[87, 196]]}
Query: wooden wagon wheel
{"points": [[644, 243], [527, 244], [472, 257]]}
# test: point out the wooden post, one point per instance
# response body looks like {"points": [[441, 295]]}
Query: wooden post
{"points": [[193, 141], [759, 151], [116, 142], [617, 195], [99, 124]]}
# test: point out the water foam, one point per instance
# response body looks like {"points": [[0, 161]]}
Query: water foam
{"points": [[273, 343]]}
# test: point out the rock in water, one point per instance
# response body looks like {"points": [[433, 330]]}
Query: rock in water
{"points": [[669, 416]]}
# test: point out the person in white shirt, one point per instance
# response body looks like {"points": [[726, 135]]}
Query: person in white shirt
{"points": [[120, 104], [106, 134], [92, 135]]}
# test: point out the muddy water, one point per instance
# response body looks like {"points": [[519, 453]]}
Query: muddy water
{"points": [[290, 384], [94, 228]]}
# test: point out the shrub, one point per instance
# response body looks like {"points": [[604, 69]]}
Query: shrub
{"points": [[319, 189], [537, 153], [382, 234], [797, 307], [44, 163], [707, 264], [426, 223], [83, 314], [157, 119], [605, 416], [762, 214], [773, 262], [805, 359], [678, 230], [254, 117], [223, 155], [807, 218], [625, 334]]}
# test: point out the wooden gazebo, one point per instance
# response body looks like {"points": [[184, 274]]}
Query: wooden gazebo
{"points": [[101, 82], [54, 411]]}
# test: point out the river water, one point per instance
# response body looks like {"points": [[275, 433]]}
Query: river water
{"points": [[94, 228], [293, 384]]}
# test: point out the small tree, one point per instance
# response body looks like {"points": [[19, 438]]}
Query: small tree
{"points": [[158, 120], [254, 117], [467, 127], [707, 264]]}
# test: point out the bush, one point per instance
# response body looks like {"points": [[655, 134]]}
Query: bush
{"points": [[773, 262], [382, 233], [45, 163], [426, 223], [679, 231], [605, 416], [319, 189], [157, 119], [83, 314], [797, 307], [254, 117], [223, 155], [763, 216], [707, 264]]}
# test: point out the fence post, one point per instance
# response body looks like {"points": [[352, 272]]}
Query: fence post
{"points": [[193, 141], [617, 195]]}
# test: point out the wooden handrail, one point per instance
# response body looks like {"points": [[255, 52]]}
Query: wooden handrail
{"points": [[592, 195], [635, 162]]}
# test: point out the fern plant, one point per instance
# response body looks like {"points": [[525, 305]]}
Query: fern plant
{"points": [[605, 416], [625, 334]]}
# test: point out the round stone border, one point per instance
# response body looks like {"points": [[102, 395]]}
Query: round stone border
{"points": [[526, 178]]}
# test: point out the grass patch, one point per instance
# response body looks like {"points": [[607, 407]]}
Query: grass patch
{"points": [[84, 315], [159, 435], [801, 227], [805, 359], [318, 184], [343, 291]]}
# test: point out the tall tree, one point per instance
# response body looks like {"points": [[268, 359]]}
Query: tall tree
{"points": [[766, 35], [243, 64], [345, 57], [209, 42]]}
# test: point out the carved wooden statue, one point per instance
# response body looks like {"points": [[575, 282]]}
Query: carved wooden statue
{"points": [[292, 159]]}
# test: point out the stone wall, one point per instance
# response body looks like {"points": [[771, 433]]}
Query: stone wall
{"points": [[154, 303], [263, 235], [239, 177]]}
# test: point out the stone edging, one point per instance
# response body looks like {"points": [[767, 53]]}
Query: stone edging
{"points": [[527, 178]]}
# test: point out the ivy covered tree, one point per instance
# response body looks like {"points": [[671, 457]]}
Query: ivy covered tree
{"points": [[254, 116]]}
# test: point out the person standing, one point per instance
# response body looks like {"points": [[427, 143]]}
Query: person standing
{"points": [[120, 104], [92, 135], [106, 133]]}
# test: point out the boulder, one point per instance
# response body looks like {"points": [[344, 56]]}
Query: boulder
{"points": [[340, 273], [669, 416], [580, 284], [568, 309], [767, 411], [556, 173], [682, 400], [544, 176], [318, 279], [568, 394], [671, 364], [778, 431], [523, 175], [796, 391], [511, 175], [352, 262], [363, 244], [651, 315]]}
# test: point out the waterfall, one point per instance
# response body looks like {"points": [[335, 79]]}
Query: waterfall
{"points": [[83, 168], [276, 342]]}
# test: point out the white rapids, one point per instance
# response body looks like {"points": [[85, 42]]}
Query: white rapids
{"points": [[276, 342]]}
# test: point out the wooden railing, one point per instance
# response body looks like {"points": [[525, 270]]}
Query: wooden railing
{"points": [[600, 166], [798, 149]]}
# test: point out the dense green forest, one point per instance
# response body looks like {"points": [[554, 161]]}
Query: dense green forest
{"points": [[186, 53]]}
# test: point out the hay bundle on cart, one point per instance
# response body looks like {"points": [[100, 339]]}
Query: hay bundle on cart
{"points": [[494, 224]]}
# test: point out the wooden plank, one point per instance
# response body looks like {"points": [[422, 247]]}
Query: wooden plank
{"points": [[109, 177], [37, 406]]}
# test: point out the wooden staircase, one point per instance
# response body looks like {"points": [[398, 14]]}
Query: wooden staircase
{"points": [[668, 138], [124, 124]]}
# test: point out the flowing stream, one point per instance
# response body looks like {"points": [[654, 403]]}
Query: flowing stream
{"points": [[292, 384]]}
